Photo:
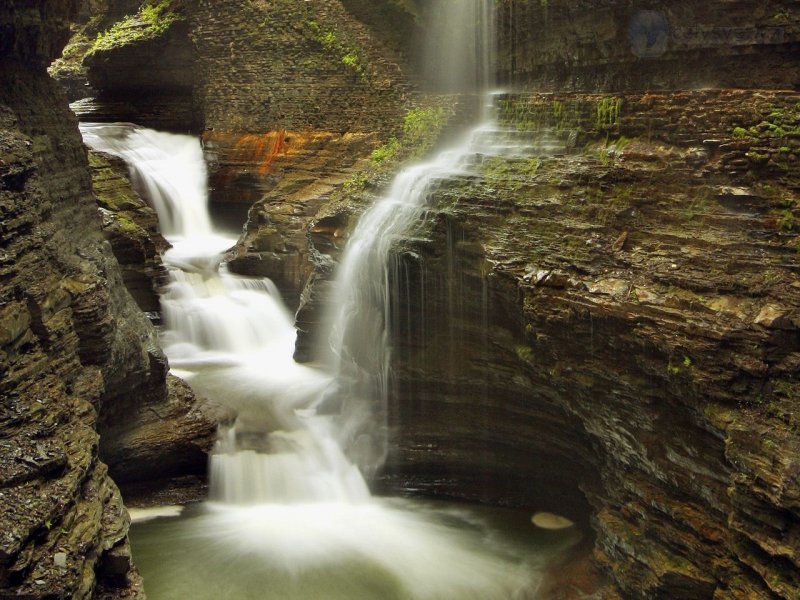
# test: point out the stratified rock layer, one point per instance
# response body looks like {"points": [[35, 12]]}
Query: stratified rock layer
{"points": [[616, 45], [131, 227], [60, 513], [74, 347], [619, 316]]}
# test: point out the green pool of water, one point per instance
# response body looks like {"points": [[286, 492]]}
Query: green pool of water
{"points": [[382, 550]]}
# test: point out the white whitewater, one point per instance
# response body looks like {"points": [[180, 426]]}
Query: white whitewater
{"points": [[232, 337], [284, 488]]}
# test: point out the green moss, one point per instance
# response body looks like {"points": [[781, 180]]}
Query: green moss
{"points": [[676, 369], [126, 225], [386, 151], [349, 55], [351, 61], [328, 40], [787, 222], [419, 131], [740, 133], [558, 110], [524, 353], [781, 123], [421, 127], [153, 20], [607, 113]]}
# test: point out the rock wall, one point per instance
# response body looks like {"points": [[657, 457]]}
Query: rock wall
{"points": [[293, 96], [619, 314], [606, 328], [613, 45], [75, 347], [288, 96], [131, 226]]}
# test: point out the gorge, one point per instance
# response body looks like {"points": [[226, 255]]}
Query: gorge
{"points": [[594, 314]]}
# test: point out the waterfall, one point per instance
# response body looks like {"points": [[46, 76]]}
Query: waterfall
{"points": [[285, 487], [459, 48], [166, 169], [232, 338], [460, 59]]}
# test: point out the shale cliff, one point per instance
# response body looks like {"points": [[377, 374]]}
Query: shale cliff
{"points": [[77, 355], [613, 313], [617, 313], [594, 45]]}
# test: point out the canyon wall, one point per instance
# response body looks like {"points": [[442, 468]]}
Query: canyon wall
{"points": [[77, 353], [555, 45], [606, 327], [618, 314], [614, 315]]}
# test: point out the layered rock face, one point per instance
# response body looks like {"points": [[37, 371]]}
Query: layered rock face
{"points": [[75, 347], [289, 96], [614, 45], [606, 327], [131, 226], [284, 128], [618, 313]]}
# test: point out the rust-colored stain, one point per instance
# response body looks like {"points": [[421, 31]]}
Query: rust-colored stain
{"points": [[261, 149]]}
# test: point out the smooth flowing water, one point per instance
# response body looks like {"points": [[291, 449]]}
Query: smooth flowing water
{"points": [[290, 515]]}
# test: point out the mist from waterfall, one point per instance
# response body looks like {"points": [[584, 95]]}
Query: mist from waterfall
{"points": [[459, 46]]}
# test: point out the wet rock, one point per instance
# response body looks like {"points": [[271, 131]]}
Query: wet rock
{"points": [[131, 227], [647, 366], [74, 345]]}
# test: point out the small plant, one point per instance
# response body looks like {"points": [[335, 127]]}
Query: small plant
{"points": [[787, 222], [607, 112], [356, 183], [740, 133], [524, 353], [328, 40], [351, 61], [350, 57], [676, 369], [386, 151]]}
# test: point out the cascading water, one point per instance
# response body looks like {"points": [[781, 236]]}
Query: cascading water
{"points": [[289, 512], [287, 508]]}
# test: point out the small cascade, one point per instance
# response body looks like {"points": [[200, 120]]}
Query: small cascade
{"points": [[233, 339], [167, 169]]}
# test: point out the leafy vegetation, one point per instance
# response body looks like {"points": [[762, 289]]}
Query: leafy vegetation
{"points": [[607, 112], [153, 20], [421, 127], [351, 57]]}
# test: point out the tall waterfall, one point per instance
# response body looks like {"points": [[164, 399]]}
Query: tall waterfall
{"points": [[459, 53]]}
